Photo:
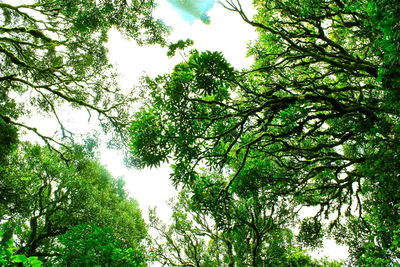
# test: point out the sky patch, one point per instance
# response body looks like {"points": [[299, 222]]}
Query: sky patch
{"points": [[191, 10]]}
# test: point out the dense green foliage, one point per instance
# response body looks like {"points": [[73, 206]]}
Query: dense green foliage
{"points": [[235, 232], [53, 56], [57, 202], [69, 213], [314, 122], [89, 245], [8, 256]]}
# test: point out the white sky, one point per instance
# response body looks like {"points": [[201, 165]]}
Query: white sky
{"points": [[226, 33]]}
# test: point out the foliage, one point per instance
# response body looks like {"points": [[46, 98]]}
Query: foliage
{"points": [[7, 256], [198, 237], [313, 119], [53, 55], [384, 21], [179, 45], [89, 245], [56, 199], [311, 233]]}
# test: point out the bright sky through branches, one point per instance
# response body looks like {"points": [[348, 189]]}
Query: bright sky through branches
{"points": [[152, 187], [191, 10], [226, 33]]}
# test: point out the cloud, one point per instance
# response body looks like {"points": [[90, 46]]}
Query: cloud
{"points": [[190, 10]]}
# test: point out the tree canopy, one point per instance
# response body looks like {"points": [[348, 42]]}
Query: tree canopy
{"points": [[53, 55], [316, 117], [61, 212], [237, 232], [313, 124], [58, 205]]}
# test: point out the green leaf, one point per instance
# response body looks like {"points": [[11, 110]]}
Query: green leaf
{"points": [[19, 258]]}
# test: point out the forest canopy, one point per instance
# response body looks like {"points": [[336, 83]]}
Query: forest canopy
{"points": [[58, 205], [313, 124], [53, 56]]}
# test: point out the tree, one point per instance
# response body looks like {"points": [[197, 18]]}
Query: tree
{"points": [[240, 232], [89, 245], [7, 256], [53, 54], [52, 58], [59, 199], [317, 112]]}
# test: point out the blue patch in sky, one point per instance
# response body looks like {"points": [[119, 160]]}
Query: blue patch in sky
{"points": [[190, 10]]}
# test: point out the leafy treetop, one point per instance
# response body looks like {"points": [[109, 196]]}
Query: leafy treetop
{"points": [[53, 53], [316, 114]]}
